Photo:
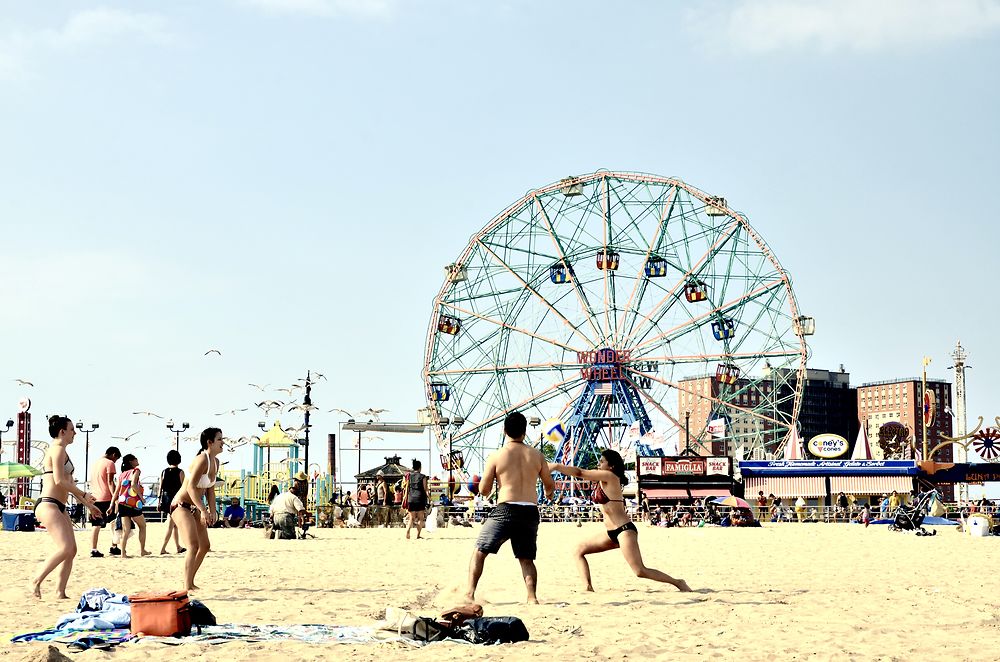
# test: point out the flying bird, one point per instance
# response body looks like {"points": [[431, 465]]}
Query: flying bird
{"points": [[302, 408], [213, 350], [318, 375], [259, 387], [268, 405], [289, 391], [147, 413], [342, 411], [23, 382], [232, 411], [374, 413], [127, 437]]}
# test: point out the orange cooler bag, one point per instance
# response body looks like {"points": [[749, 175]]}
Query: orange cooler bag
{"points": [[160, 614]]}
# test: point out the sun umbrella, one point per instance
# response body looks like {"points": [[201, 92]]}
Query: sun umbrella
{"points": [[10, 470], [735, 502]]}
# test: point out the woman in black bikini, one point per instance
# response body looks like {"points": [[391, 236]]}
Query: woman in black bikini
{"points": [[621, 532], [57, 485]]}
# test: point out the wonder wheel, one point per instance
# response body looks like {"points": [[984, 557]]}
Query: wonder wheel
{"points": [[637, 308]]}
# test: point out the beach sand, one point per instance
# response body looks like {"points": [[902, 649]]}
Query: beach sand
{"points": [[782, 592]]}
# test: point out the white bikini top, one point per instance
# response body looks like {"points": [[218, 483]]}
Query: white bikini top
{"points": [[208, 479]]}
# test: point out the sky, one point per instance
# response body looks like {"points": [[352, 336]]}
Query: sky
{"points": [[283, 180]]}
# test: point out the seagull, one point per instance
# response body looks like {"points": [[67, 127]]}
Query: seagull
{"points": [[127, 437], [259, 387], [213, 350], [342, 411], [374, 413], [23, 382], [232, 411], [268, 405], [294, 431], [302, 408], [318, 375], [289, 391], [147, 413]]}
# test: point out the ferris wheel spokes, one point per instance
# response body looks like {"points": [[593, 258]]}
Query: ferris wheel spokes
{"points": [[536, 399], [504, 325], [640, 282], [691, 323], [672, 294], [532, 290], [581, 295]]}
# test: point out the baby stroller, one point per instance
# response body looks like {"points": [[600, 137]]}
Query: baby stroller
{"points": [[910, 516]]}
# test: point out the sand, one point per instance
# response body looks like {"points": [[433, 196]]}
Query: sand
{"points": [[816, 591]]}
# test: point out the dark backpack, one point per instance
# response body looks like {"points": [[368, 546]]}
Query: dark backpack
{"points": [[200, 614], [493, 630]]}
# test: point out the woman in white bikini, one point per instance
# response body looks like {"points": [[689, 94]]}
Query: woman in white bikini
{"points": [[188, 509], [57, 485], [620, 531]]}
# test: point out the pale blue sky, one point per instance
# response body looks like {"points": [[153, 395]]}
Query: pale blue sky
{"points": [[285, 180]]}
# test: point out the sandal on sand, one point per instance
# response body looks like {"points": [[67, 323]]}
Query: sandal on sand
{"points": [[182, 550]]}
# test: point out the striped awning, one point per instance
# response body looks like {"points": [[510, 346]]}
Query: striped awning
{"points": [[870, 484], [785, 486]]}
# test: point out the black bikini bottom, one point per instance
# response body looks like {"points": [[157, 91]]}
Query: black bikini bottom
{"points": [[614, 533], [189, 506], [41, 500]]}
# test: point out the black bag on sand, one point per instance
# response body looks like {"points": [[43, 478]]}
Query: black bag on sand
{"points": [[200, 614], [493, 630]]}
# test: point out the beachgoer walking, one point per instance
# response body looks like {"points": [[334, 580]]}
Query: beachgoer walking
{"points": [[517, 468], [127, 502], [415, 498], [761, 505], [381, 500], [800, 509], [620, 531], [171, 480], [102, 485], [189, 510], [50, 509]]}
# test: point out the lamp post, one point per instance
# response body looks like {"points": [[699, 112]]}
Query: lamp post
{"points": [[687, 432], [10, 424], [263, 426], [86, 443], [177, 433]]}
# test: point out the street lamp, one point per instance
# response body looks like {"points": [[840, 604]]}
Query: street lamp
{"points": [[177, 433], [10, 424], [263, 426], [86, 445]]}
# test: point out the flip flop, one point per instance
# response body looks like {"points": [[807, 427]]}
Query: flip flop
{"points": [[182, 550]]}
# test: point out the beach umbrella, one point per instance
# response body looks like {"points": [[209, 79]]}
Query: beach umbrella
{"points": [[9, 470], [735, 502]]}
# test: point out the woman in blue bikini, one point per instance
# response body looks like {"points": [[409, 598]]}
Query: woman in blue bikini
{"points": [[621, 532], [57, 485]]}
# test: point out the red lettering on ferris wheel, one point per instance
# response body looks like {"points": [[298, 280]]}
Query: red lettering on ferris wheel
{"points": [[609, 356]]}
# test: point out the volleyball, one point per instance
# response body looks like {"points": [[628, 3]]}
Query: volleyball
{"points": [[554, 431]]}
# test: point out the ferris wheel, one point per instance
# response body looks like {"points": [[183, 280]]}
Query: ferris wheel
{"points": [[638, 309]]}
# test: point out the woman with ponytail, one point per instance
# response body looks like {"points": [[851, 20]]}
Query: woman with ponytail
{"points": [[609, 478], [189, 510]]}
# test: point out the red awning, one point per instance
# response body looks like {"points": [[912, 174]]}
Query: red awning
{"points": [[707, 491], [666, 493]]}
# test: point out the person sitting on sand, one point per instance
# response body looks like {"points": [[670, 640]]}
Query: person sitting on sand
{"points": [[235, 516], [620, 531], [287, 510], [50, 509]]}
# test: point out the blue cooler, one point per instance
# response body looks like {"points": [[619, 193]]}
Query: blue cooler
{"points": [[18, 520]]}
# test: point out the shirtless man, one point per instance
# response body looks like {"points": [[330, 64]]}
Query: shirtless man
{"points": [[516, 468]]}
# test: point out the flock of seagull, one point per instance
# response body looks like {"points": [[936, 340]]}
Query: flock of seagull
{"points": [[267, 406]]}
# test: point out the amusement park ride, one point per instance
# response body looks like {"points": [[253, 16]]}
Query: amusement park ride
{"points": [[600, 300]]}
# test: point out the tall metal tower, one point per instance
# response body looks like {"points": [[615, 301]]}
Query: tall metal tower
{"points": [[961, 454]]}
